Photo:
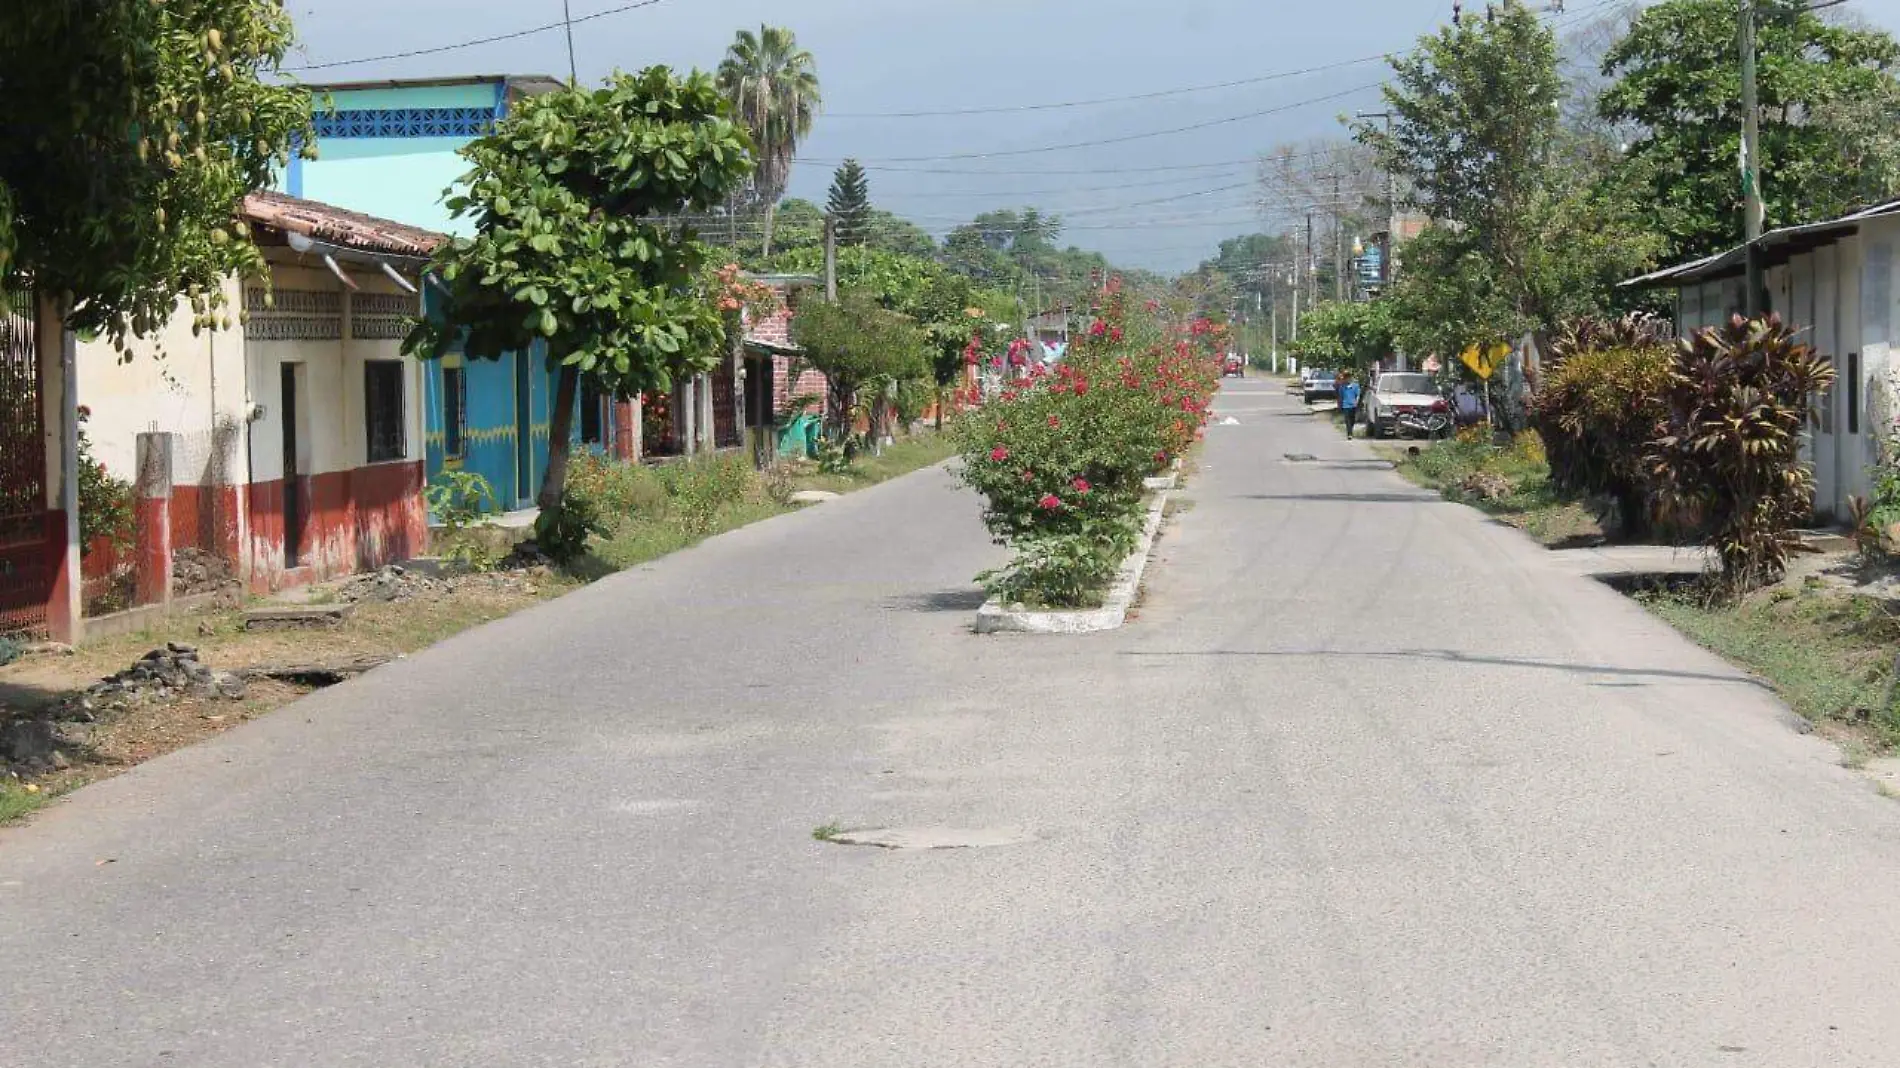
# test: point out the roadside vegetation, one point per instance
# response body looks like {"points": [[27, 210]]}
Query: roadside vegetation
{"points": [[1060, 457], [1829, 653], [1510, 482]]}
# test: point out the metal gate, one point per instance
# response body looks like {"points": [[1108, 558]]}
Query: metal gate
{"points": [[26, 555]]}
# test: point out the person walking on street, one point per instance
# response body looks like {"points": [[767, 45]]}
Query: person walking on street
{"points": [[1349, 403]]}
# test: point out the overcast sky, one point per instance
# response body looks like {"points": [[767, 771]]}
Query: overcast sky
{"points": [[877, 57]]}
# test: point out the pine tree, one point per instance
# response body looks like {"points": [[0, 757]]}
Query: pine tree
{"points": [[850, 203]]}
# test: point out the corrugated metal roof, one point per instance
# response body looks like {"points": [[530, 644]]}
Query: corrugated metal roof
{"points": [[1776, 245], [530, 84], [340, 227]]}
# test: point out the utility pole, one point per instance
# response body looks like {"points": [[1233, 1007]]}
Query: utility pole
{"points": [[831, 260], [1387, 261], [1273, 331], [567, 21], [1752, 212], [1297, 283], [1339, 244], [1309, 266]]}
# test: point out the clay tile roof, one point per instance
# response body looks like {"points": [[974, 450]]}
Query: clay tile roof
{"points": [[336, 226]]}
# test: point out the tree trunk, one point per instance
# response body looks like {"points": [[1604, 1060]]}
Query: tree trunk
{"points": [[771, 212], [560, 425]]}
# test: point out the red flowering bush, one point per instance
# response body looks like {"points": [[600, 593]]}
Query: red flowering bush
{"points": [[1061, 455]]}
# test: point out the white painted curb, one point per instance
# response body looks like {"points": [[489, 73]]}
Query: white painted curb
{"points": [[993, 618]]}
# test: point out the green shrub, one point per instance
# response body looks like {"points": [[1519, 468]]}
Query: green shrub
{"points": [[457, 499], [562, 531], [1060, 570], [697, 489], [105, 502], [1060, 458], [1738, 398], [617, 490], [1600, 407]]}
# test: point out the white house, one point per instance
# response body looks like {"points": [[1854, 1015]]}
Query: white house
{"points": [[296, 434], [1835, 280]]}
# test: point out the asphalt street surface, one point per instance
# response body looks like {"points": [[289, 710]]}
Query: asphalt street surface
{"points": [[1369, 781]]}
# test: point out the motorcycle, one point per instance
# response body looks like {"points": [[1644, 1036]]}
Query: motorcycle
{"points": [[1432, 422]]}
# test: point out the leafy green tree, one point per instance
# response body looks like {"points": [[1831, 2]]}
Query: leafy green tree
{"points": [[773, 86], [1829, 107], [1346, 335], [850, 203], [894, 233], [1536, 223], [1474, 120], [861, 346], [567, 251], [129, 132]]}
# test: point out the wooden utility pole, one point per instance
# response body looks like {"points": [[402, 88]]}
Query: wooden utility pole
{"points": [[1752, 211], [1339, 244], [831, 259], [1309, 267]]}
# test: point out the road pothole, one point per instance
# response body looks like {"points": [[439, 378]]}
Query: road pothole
{"points": [[926, 837]]}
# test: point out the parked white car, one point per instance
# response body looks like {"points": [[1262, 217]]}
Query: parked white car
{"points": [[1405, 402]]}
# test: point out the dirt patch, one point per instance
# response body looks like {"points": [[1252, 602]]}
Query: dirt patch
{"points": [[183, 702]]}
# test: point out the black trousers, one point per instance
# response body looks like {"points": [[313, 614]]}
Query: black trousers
{"points": [[1352, 416]]}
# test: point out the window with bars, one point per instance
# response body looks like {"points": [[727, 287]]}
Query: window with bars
{"points": [[454, 411], [383, 410]]}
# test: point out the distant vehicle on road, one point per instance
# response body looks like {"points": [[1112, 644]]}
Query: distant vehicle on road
{"points": [[1317, 384], [1235, 367], [1406, 403]]}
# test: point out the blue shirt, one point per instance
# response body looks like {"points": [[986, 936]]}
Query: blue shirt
{"points": [[1349, 397]]}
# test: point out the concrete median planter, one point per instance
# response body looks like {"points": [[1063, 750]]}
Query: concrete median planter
{"points": [[996, 618]]}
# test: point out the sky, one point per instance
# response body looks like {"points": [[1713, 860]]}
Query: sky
{"points": [[1125, 176]]}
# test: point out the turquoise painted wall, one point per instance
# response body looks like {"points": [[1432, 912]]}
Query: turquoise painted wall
{"points": [[404, 179], [399, 178]]}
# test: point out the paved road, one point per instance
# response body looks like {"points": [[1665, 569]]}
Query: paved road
{"points": [[1371, 782]]}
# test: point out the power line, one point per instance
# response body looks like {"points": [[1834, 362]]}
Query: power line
{"points": [[474, 42], [1125, 138], [1155, 95]]}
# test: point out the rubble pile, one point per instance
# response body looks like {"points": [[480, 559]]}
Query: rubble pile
{"points": [[391, 583], [46, 737], [195, 571], [163, 673]]}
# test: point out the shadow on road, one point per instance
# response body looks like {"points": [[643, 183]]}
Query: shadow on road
{"points": [[1452, 656], [959, 600], [1361, 498]]}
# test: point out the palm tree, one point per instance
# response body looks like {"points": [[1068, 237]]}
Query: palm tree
{"points": [[773, 84]]}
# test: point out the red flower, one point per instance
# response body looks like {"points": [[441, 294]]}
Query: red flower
{"points": [[1054, 422], [1081, 485], [999, 454], [1098, 328], [1115, 334], [1029, 476], [1081, 386], [1050, 502], [1161, 457], [1153, 305]]}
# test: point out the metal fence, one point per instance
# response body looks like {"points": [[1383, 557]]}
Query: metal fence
{"points": [[26, 552]]}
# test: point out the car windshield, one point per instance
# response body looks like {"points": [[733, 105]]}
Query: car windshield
{"points": [[1405, 383]]}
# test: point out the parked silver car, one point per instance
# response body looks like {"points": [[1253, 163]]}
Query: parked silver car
{"points": [[1403, 403], [1317, 384]]}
